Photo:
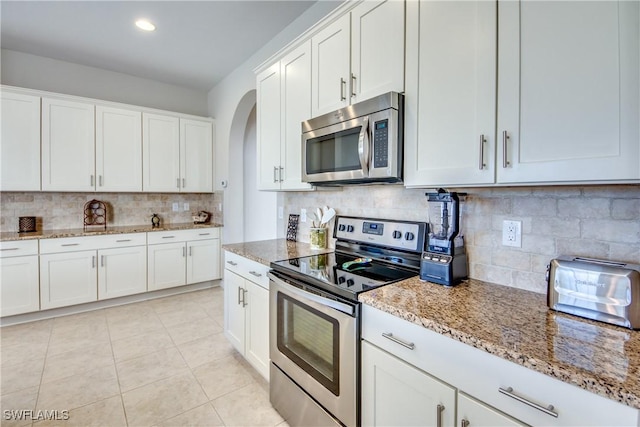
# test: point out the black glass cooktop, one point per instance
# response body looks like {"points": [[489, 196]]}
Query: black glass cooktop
{"points": [[342, 274]]}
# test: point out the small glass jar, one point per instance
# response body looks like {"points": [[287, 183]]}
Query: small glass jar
{"points": [[318, 238]]}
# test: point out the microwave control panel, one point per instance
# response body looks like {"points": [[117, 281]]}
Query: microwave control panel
{"points": [[381, 144]]}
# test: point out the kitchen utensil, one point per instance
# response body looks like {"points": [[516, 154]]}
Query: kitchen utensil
{"points": [[328, 215]]}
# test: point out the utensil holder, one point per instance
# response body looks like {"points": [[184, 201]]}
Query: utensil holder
{"points": [[318, 238]]}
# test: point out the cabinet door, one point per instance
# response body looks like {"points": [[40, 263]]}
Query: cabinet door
{"points": [[331, 52], [295, 71], [257, 328], [234, 313], [450, 100], [568, 83], [122, 271], [68, 149], [118, 149], [19, 285], [166, 264], [68, 278], [160, 153], [20, 147], [196, 154], [480, 415], [395, 393], [377, 49], [268, 123], [203, 260]]}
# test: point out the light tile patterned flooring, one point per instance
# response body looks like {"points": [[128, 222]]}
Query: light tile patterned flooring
{"points": [[162, 362]]}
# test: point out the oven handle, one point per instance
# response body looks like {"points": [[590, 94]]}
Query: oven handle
{"points": [[336, 305], [363, 146]]}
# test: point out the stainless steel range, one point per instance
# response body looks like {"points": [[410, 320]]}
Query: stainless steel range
{"points": [[315, 317]]}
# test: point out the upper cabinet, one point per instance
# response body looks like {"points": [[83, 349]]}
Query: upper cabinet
{"points": [[118, 149], [358, 56], [20, 146], [284, 101], [565, 99], [177, 154], [68, 149]]}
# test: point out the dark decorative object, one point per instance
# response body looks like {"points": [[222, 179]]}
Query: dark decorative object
{"points": [[292, 228], [26, 224], [155, 221], [201, 217], [95, 214]]}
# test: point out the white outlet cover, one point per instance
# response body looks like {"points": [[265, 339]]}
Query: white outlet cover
{"points": [[175, 207], [280, 212], [185, 206], [303, 215], [512, 233]]}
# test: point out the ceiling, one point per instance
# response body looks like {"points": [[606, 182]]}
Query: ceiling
{"points": [[196, 43]]}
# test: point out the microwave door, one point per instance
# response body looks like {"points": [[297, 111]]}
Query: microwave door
{"points": [[336, 153]]}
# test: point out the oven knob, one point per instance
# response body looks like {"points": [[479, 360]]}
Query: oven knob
{"points": [[350, 229], [341, 279], [397, 234], [342, 227], [409, 236], [350, 282]]}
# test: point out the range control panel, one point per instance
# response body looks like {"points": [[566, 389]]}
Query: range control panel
{"points": [[403, 235]]}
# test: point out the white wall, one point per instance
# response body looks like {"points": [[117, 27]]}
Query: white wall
{"points": [[37, 72], [224, 100]]}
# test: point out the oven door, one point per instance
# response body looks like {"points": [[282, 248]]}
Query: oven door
{"points": [[314, 341]]}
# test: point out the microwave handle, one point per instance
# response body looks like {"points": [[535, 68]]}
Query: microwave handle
{"points": [[363, 146]]}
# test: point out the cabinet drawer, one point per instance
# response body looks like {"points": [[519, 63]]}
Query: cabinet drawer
{"points": [[69, 244], [122, 240], [201, 234], [250, 270], [18, 248], [481, 375]]}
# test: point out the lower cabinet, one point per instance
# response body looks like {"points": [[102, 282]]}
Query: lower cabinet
{"points": [[122, 271], [472, 412], [246, 310], [19, 278], [68, 278]]}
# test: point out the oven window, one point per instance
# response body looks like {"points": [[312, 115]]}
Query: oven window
{"points": [[309, 338], [334, 153]]}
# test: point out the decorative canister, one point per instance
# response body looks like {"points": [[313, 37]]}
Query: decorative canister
{"points": [[26, 224], [318, 238]]}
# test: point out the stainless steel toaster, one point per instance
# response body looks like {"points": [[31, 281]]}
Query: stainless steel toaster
{"points": [[595, 289]]}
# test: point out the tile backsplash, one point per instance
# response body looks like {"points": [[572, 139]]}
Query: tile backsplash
{"points": [[65, 210], [591, 221]]}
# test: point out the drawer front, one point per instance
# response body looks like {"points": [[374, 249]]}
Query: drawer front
{"points": [[202, 234], [155, 237], [69, 244], [250, 270], [123, 240], [481, 375], [18, 248]]}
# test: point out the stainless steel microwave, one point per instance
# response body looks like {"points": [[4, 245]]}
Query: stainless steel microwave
{"points": [[361, 143]]}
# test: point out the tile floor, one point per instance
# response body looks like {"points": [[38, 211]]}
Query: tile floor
{"points": [[163, 362]]}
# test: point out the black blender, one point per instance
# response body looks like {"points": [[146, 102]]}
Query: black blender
{"points": [[445, 260]]}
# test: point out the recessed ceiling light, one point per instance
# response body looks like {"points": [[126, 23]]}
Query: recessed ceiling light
{"points": [[144, 24]]}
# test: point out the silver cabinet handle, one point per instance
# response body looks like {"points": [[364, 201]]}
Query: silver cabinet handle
{"points": [[232, 263], [439, 411], [70, 244], [343, 86], [280, 174], [353, 85], [11, 249], [505, 138], [93, 261], [390, 336], [190, 250], [123, 240], [204, 234], [239, 298], [100, 180], [509, 392], [464, 423], [101, 260], [275, 170], [178, 182], [184, 182], [184, 252], [168, 237], [244, 298], [92, 180], [253, 273], [481, 164]]}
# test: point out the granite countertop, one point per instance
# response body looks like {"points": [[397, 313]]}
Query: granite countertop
{"points": [[79, 232], [517, 325], [266, 251]]}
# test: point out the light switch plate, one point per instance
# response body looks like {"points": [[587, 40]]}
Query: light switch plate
{"points": [[175, 207], [303, 215], [185, 206]]}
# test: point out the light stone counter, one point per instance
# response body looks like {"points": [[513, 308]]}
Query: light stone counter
{"points": [[266, 251], [79, 232], [517, 325]]}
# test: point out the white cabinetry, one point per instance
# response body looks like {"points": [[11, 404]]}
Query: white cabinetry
{"points": [[246, 312], [19, 278], [284, 101], [177, 154], [68, 154], [20, 142], [358, 56], [118, 149], [123, 265], [182, 257], [478, 377], [567, 92]]}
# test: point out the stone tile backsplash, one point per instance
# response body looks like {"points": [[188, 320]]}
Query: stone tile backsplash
{"points": [[591, 221], [65, 210]]}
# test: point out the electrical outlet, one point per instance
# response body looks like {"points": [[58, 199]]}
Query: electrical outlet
{"points": [[512, 233], [175, 207], [185, 206], [280, 212], [303, 215], [219, 207]]}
